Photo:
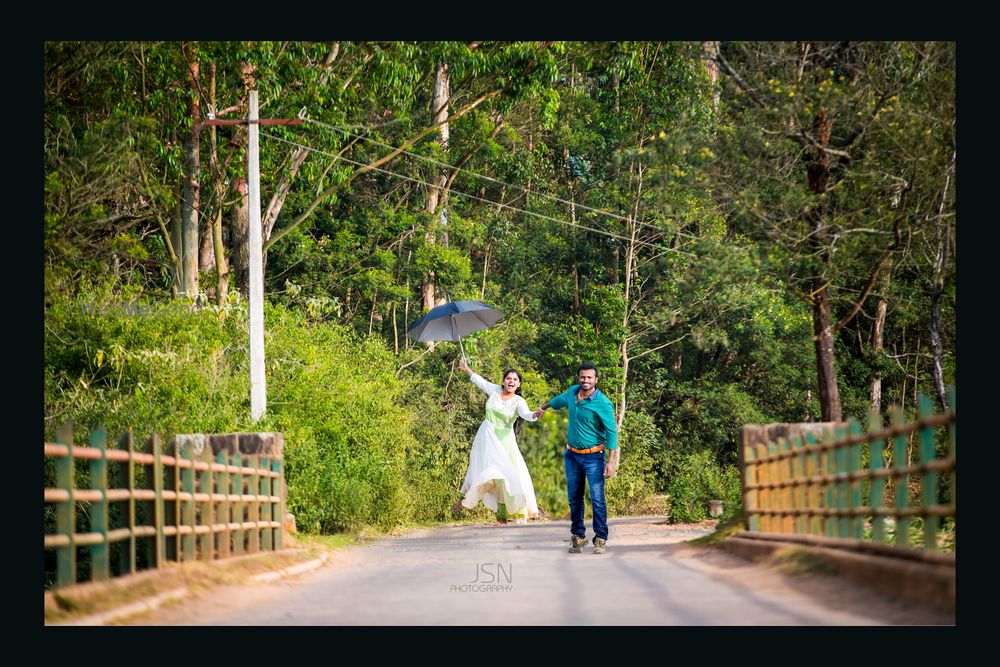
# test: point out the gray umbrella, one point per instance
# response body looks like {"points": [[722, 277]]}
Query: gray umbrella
{"points": [[452, 320]]}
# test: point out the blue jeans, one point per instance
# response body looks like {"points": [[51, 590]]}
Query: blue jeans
{"points": [[589, 467]]}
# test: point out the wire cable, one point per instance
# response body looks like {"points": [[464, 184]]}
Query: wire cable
{"points": [[478, 175], [464, 194]]}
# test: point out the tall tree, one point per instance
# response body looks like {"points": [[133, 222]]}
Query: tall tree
{"points": [[191, 190], [820, 138]]}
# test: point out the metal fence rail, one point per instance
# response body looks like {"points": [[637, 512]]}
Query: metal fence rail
{"points": [[208, 497], [832, 490]]}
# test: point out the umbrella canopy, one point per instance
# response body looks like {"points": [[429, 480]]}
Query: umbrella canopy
{"points": [[451, 321]]}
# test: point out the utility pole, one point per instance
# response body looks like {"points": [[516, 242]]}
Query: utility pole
{"points": [[258, 385]]}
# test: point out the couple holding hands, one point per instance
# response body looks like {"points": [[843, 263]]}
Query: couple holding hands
{"points": [[497, 474]]}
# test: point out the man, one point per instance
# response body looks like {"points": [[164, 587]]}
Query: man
{"points": [[592, 430]]}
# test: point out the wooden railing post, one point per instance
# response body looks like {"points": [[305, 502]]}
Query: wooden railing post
{"points": [[223, 514], [206, 518], [928, 484], [951, 449], [186, 451], [66, 510], [782, 492], [814, 490], [159, 507], [843, 463], [172, 507], [876, 447], [279, 491], [855, 522], [127, 442], [902, 480], [237, 482], [254, 491], [267, 541], [100, 566], [801, 500], [750, 496]]}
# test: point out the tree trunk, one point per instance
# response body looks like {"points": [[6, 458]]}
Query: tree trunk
{"points": [[576, 267], [177, 241], [190, 203], [219, 189], [486, 268], [239, 234], [818, 173], [711, 50], [936, 345], [206, 247], [439, 109], [937, 288], [877, 331], [630, 263], [616, 259]]}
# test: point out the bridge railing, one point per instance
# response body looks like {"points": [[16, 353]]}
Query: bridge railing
{"points": [[839, 485], [202, 497]]}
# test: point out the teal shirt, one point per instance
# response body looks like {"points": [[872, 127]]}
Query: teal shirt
{"points": [[591, 421]]}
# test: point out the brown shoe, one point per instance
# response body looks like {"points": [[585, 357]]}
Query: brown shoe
{"points": [[576, 544], [599, 545]]}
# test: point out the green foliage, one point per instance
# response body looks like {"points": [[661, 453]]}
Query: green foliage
{"points": [[694, 296], [694, 478], [635, 482]]}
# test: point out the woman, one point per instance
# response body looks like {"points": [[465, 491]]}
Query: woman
{"points": [[497, 474]]}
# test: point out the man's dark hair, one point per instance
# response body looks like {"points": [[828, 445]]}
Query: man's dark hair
{"points": [[588, 366]]}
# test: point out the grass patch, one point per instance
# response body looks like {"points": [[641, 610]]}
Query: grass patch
{"points": [[799, 561], [723, 530]]}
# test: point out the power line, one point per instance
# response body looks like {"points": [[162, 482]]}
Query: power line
{"points": [[419, 114], [463, 194], [483, 176]]}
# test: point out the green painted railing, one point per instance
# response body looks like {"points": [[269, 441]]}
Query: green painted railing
{"points": [[205, 497], [834, 489]]}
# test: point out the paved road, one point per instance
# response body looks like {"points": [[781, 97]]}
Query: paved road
{"points": [[523, 575]]}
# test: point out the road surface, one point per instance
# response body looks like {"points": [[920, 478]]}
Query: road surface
{"points": [[522, 575]]}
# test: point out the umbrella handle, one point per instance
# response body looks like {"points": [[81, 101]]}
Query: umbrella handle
{"points": [[454, 332]]}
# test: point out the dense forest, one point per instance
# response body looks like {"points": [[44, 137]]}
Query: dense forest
{"points": [[733, 232]]}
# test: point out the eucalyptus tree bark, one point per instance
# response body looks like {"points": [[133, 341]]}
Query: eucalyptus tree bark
{"points": [[190, 192], [711, 50], [937, 287], [878, 329], [219, 189], [239, 234], [439, 109], [178, 285], [206, 246]]}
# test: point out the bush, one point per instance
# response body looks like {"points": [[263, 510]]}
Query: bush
{"points": [[630, 489], [694, 478]]}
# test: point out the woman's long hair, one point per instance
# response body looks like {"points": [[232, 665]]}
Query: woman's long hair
{"points": [[518, 423]]}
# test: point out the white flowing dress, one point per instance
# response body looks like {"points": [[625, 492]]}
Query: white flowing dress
{"points": [[496, 466]]}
